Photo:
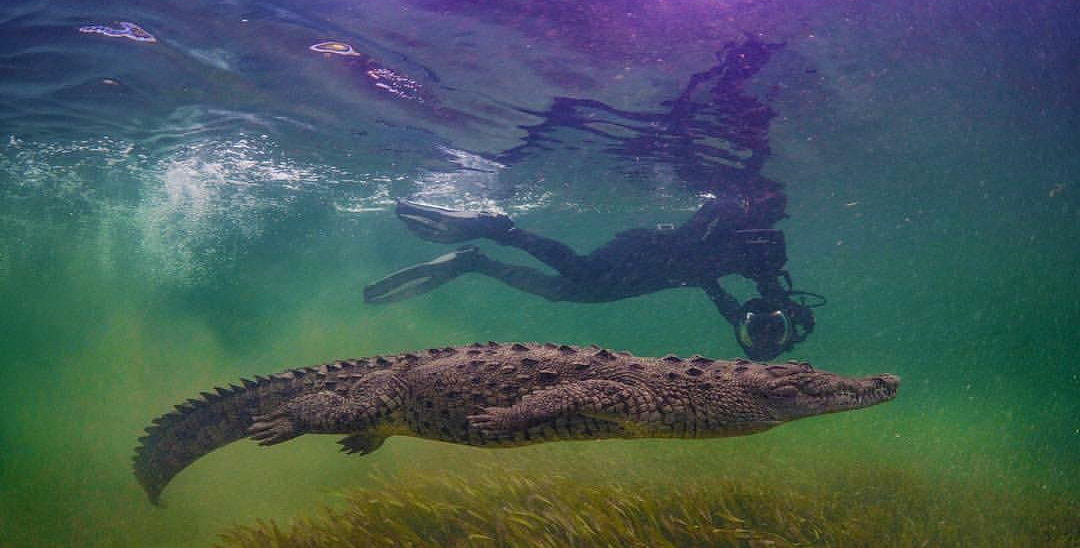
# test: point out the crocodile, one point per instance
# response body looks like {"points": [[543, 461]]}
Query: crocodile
{"points": [[499, 395]]}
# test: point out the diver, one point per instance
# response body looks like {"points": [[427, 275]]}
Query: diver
{"points": [[728, 234]]}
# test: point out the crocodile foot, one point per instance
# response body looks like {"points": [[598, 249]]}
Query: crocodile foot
{"points": [[361, 443], [273, 428], [495, 422]]}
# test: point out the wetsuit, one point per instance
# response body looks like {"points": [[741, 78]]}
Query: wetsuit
{"points": [[725, 236]]}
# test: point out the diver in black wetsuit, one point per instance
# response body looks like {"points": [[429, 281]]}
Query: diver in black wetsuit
{"points": [[727, 235]]}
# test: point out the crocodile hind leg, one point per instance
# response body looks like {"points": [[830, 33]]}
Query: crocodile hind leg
{"points": [[606, 400], [328, 412]]}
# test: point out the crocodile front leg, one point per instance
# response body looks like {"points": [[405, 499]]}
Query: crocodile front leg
{"points": [[327, 412], [606, 400], [362, 443]]}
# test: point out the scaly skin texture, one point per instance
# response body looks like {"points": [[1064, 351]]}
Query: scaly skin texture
{"points": [[499, 395]]}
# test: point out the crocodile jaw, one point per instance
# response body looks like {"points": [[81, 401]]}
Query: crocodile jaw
{"points": [[820, 393]]}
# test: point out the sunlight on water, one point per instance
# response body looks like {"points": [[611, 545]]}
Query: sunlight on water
{"points": [[476, 178]]}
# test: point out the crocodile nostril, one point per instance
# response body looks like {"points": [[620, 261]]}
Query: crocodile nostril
{"points": [[886, 381]]}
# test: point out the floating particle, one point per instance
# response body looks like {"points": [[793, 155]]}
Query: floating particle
{"points": [[123, 29], [337, 48]]}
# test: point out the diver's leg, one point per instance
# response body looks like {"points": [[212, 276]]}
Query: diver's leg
{"points": [[527, 279], [424, 277], [551, 252], [444, 225]]}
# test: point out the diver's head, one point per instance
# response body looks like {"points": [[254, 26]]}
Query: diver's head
{"points": [[767, 328], [768, 204]]}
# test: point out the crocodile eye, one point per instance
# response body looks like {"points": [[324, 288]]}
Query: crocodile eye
{"points": [[811, 386], [779, 370]]}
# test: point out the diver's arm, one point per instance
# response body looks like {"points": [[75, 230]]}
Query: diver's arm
{"points": [[726, 304], [770, 286], [716, 218]]}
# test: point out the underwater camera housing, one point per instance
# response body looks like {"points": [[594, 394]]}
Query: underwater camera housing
{"points": [[774, 323], [769, 327]]}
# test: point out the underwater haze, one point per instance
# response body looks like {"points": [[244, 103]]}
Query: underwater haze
{"points": [[194, 192]]}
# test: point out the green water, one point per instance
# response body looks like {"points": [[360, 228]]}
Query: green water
{"points": [[933, 198], [973, 303]]}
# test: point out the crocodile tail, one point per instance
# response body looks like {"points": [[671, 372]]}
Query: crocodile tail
{"points": [[201, 425]]}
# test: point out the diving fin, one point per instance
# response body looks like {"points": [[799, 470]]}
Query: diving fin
{"points": [[421, 278], [450, 226]]}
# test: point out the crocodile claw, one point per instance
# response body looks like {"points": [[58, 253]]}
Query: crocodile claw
{"points": [[273, 429], [493, 422]]}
